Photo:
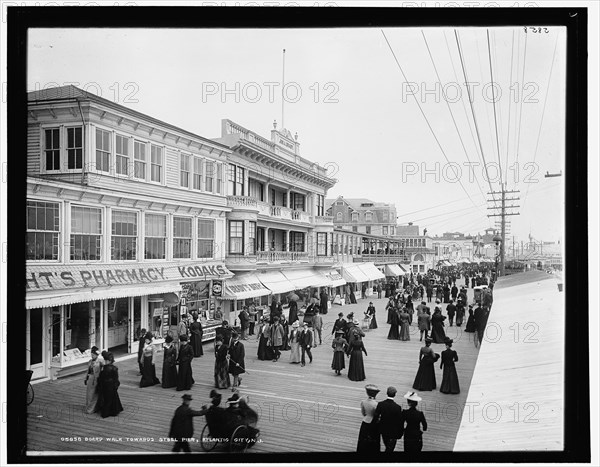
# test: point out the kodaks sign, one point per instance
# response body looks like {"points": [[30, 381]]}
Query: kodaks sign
{"points": [[46, 277]]}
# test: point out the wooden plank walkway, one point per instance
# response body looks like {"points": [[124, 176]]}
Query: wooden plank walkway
{"points": [[306, 409], [517, 391]]}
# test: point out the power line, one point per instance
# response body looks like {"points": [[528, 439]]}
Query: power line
{"points": [[521, 103], [424, 116], [447, 213], [461, 99], [494, 105], [432, 207], [543, 111], [449, 108], [512, 51], [462, 62]]}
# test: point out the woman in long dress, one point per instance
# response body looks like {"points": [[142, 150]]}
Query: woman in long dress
{"points": [[394, 323], [169, 369], [340, 347], [148, 366], [285, 344], [437, 327], [293, 316], [222, 379], [185, 380], [91, 381], [294, 341], [371, 313], [264, 351], [196, 337], [404, 326], [450, 377], [356, 367], [425, 379], [470, 321], [368, 436], [109, 385], [390, 309]]}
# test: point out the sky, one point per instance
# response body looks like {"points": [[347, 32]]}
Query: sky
{"points": [[386, 111]]}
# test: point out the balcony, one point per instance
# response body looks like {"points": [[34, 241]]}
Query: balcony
{"points": [[244, 202], [382, 258], [281, 212], [322, 220], [282, 257]]}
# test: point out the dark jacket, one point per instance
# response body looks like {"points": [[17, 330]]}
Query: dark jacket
{"points": [[182, 425], [389, 416], [339, 325], [413, 419]]}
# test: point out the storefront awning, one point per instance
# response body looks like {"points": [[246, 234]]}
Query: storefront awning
{"points": [[371, 271], [335, 277], [303, 278], [393, 270], [353, 273], [403, 269], [275, 281], [243, 286], [67, 297]]}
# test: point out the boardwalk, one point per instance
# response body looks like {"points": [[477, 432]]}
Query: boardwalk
{"points": [[306, 409], [524, 356]]}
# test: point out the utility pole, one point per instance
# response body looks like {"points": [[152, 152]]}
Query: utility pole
{"points": [[503, 214]]}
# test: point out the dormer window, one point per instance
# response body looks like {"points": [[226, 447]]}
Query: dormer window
{"points": [[354, 217], [368, 216]]}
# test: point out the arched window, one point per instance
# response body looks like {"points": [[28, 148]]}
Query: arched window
{"points": [[339, 216], [419, 257]]}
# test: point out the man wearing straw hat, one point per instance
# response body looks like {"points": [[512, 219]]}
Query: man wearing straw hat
{"points": [[414, 419]]}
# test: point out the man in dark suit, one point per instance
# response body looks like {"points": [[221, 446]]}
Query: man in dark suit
{"points": [[414, 419], [182, 424], [480, 322], [389, 416]]}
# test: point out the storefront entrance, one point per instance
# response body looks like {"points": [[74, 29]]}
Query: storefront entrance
{"points": [[124, 319], [36, 354]]}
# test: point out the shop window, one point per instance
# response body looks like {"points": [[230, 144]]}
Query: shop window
{"points": [[206, 238], [236, 237], [43, 230], [321, 243], [155, 317], [122, 155], [195, 300], [86, 233], [182, 237], [155, 241], [52, 148], [118, 319], [74, 148], [123, 246], [156, 163], [103, 150], [139, 158], [77, 328]]}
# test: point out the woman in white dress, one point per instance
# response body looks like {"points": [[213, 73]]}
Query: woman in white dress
{"points": [[294, 341]]}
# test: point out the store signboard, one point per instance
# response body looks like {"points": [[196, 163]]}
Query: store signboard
{"points": [[43, 277]]}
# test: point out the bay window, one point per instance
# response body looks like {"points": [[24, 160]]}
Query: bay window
{"points": [[43, 230], [206, 238], [182, 237], [74, 148], [103, 149], [123, 242], [155, 240], [86, 233], [122, 155], [321, 243], [236, 237]]}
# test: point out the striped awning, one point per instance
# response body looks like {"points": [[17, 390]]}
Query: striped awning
{"points": [[67, 297], [393, 270], [275, 281], [243, 286], [353, 273], [307, 277], [371, 271], [334, 277]]}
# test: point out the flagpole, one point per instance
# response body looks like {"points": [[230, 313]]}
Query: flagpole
{"points": [[282, 89]]}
